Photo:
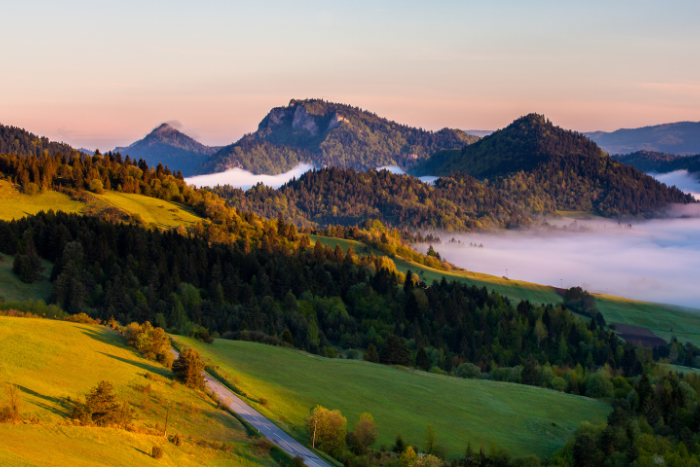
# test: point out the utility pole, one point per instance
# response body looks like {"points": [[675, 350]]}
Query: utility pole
{"points": [[167, 416]]}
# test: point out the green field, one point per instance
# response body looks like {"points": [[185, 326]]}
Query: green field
{"points": [[165, 214], [664, 320], [13, 289], [523, 419], [54, 362]]}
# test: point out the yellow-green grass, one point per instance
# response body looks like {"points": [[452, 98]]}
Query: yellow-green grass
{"points": [[523, 419], [152, 210], [54, 363], [664, 320], [165, 214], [15, 205], [13, 289]]}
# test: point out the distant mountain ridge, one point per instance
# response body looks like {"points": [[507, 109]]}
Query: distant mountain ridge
{"points": [[671, 138], [170, 147], [546, 168], [658, 162], [330, 134]]}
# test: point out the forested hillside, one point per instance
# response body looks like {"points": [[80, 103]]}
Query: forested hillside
{"points": [[546, 168], [168, 146], [21, 142], [346, 197], [330, 134], [658, 162]]}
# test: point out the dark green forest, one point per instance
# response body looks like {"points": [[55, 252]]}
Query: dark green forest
{"points": [[329, 134], [546, 168], [21, 142], [342, 196]]}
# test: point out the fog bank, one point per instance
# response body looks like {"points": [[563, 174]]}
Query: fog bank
{"points": [[240, 178], [429, 179], [682, 180], [655, 261]]}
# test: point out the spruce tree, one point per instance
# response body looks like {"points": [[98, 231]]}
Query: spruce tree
{"points": [[422, 360]]}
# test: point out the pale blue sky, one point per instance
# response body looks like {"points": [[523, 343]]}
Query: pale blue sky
{"points": [[100, 74]]}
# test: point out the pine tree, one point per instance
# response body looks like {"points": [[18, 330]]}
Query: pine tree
{"points": [[422, 360], [371, 354]]}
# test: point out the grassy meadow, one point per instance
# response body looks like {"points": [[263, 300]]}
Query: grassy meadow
{"points": [[521, 418], [165, 214], [54, 363], [13, 289], [15, 205], [664, 320]]}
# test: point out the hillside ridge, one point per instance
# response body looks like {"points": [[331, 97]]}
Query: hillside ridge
{"points": [[330, 134]]}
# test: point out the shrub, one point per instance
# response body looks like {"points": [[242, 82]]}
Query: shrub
{"points": [[157, 452], [12, 412], [82, 318], [468, 370], [175, 439], [188, 368], [263, 401], [31, 189], [298, 461], [599, 386], [96, 186]]}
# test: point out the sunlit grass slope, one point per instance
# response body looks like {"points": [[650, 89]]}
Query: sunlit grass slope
{"points": [[521, 418], [163, 213], [15, 205], [664, 320], [52, 361], [13, 289]]}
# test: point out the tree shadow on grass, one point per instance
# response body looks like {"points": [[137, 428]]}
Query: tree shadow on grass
{"points": [[61, 405], [144, 366]]}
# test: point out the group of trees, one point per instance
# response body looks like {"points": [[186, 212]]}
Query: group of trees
{"points": [[658, 422], [346, 197]]}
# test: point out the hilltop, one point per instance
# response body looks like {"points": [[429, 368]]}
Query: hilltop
{"points": [[674, 138], [546, 168], [23, 143], [170, 147], [659, 162], [330, 134]]}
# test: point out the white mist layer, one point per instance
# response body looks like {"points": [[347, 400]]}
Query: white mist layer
{"points": [[657, 261], [682, 180], [240, 178], [429, 179]]}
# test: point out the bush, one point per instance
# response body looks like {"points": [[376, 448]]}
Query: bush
{"points": [[188, 368], [468, 370], [175, 439], [31, 189], [82, 318], [157, 452], [96, 186], [298, 461], [599, 386]]}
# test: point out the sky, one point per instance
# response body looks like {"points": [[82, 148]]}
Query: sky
{"points": [[103, 74]]}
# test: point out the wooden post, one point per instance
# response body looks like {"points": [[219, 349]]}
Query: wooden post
{"points": [[167, 415]]}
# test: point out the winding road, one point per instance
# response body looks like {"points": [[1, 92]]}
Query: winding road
{"points": [[262, 424]]}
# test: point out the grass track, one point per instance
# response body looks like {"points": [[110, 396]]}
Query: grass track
{"points": [[517, 417], [52, 360], [664, 320]]}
